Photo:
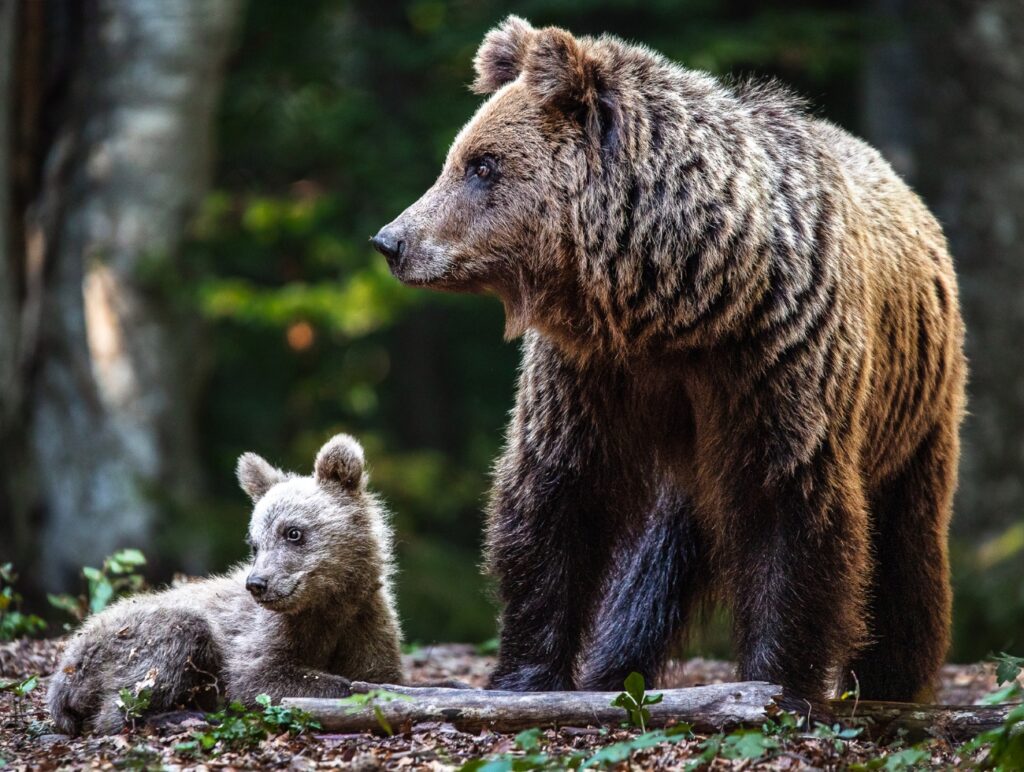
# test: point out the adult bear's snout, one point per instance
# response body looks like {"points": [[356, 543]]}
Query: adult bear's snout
{"points": [[390, 244]]}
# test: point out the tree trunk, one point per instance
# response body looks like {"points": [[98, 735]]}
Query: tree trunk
{"points": [[944, 103], [14, 503], [111, 416], [9, 383]]}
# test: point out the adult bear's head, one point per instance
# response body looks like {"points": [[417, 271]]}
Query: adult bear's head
{"points": [[505, 214]]}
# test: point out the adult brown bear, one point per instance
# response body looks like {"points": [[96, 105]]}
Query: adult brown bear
{"points": [[742, 378]]}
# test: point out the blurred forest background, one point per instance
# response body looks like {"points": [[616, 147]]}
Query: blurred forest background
{"points": [[186, 192]]}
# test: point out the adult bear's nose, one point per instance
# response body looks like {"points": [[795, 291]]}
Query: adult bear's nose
{"points": [[255, 584], [390, 245]]}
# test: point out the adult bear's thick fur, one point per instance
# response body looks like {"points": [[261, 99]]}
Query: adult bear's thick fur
{"points": [[742, 376]]}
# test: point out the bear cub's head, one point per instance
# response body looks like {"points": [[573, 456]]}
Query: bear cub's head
{"points": [[316, 541]]}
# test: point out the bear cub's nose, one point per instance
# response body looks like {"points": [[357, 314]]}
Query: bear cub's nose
{"points": [[389, 245], [257, 585]]}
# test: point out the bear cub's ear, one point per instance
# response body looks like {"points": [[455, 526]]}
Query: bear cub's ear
{"points": [[257, 476], [340, 461], [499, 60]]}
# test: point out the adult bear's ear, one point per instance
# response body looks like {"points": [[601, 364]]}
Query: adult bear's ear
{"points": [[499, 60], [340, 461], [257, 476], [562, 74]]}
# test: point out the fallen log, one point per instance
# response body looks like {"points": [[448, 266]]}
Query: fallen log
{"points": [[886, 720], [707, 709]]}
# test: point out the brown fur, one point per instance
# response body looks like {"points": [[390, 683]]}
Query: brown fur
{"points": [[325, 615], [742, 377]]}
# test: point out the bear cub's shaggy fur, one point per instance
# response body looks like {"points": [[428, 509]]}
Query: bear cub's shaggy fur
{"points": [[312, 609]]}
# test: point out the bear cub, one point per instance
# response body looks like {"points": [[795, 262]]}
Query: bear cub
{"points": [[311, 609]]}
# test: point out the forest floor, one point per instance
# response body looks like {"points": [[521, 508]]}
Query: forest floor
{"points": [[28, 741]]}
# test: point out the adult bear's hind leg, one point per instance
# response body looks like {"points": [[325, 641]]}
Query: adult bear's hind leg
{"points": [[799, 579], [910, 596]]}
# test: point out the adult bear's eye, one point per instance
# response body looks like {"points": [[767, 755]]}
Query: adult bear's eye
{"points": [[293, 534], [482, 169]]}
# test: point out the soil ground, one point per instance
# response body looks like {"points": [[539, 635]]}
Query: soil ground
{"points": [[27, 739]]}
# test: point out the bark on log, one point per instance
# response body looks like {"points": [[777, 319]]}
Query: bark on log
{"points": [[952, 722], [706, 708]]}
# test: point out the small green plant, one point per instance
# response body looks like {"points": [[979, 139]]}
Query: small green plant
{"points": [[749, 744], [372, 700], [528, 742], [1003, 747], [19, 690], [279, 719], [1008, 667], [898, 761], [235, 728], [14, 623], [1008, 670], [837, 735], [487, 648], [634, 700], [616, 753], [531, 756], [135, 701], [118, 576], [786, 725]]}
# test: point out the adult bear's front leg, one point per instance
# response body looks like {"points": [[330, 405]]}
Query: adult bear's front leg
{"points": [[559, 495]]}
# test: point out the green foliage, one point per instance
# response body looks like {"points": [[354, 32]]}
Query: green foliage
{"points": [[837, 735], [618, 752], [487, 648], [1008, 671], [235, 728], [116, 578], [14, 623], [1002, 749], [897, 761], [19, 690], [1008, 667], [741, 744], [634, 700], [988, 579], [531, 757], [135, 701], [372, 700], [785, 725]]}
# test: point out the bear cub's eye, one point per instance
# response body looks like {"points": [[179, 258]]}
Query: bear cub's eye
{"points": [[293, 534]]}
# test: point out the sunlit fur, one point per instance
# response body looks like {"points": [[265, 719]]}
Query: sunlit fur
{"points": [[742, 377], [327, 615]]}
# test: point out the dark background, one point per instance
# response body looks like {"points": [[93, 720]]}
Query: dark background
{"points": [[185, 275]]}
